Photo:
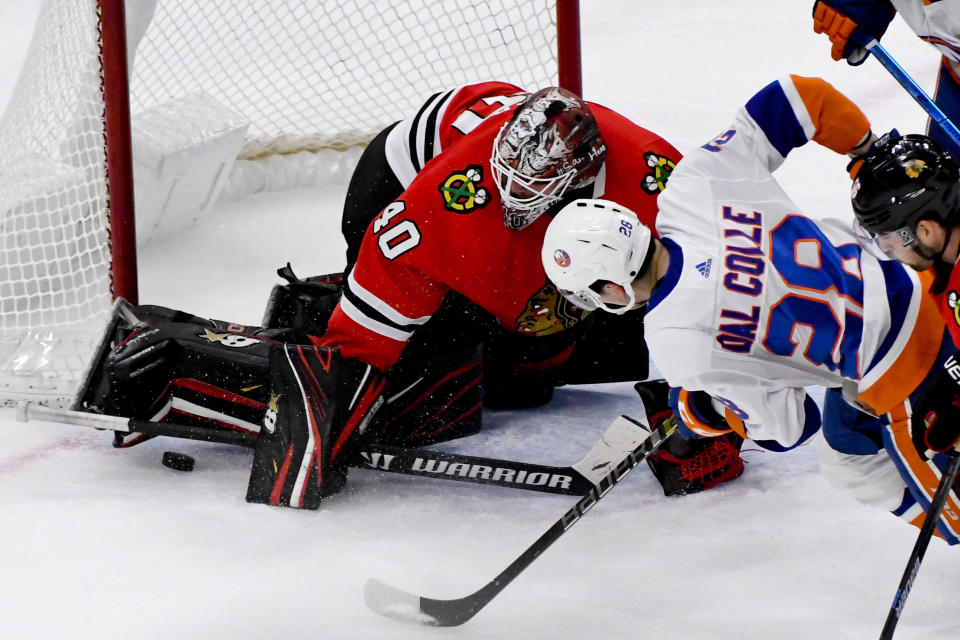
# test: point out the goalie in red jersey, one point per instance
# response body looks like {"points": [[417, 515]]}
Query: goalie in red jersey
{"points": [[444, 305], [443, 218]]}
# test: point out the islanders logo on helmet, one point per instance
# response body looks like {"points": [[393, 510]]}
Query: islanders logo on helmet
{"points": [[562, 258]]}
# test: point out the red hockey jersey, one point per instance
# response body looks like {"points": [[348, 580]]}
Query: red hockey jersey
{"points": [[445, 118], [946, 291], [446, 231]]}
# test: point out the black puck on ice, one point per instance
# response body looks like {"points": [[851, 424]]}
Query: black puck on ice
{"points": [[178, 461]]}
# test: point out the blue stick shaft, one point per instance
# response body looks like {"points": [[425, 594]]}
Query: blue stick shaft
{"points": [[914, 90]]}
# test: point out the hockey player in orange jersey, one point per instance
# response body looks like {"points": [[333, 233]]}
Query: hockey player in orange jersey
{"points": [[906, 197], [749, 302]]}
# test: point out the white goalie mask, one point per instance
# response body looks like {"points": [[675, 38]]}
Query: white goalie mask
{"points": [[551, 143], [591, 241]]}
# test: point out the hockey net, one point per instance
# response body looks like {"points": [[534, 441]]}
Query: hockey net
{"points": [[220, 92]]}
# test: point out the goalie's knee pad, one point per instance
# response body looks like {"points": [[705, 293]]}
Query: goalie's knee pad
{"points": [[160, 364], [432, 400], [689, 466], [319, 408]]}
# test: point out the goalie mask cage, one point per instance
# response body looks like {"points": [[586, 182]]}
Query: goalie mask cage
{"points": [[113, 89]]}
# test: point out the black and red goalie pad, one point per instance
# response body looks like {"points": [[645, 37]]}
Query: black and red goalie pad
{"points": [[316, 420], [161, 365]]}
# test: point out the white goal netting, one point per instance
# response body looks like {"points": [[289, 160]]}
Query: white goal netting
{"points": [[219, 91]]}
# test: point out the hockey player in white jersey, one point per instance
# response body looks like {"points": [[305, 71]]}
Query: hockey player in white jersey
{"points": [[749, 302], [852, 23]]}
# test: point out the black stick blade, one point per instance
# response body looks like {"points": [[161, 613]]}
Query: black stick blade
{"points": [[401, 605]]}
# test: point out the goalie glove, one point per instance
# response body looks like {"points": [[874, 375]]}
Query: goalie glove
{"points": [[317, 415], [302, 306], [851, 24]]}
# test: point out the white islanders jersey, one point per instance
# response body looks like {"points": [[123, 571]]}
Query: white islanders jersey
{"points": [[761, 301], [935, 22]]}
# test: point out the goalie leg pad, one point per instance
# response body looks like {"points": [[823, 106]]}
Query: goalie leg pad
{"points": [[432, 401], [160, 364], [317, 416]]}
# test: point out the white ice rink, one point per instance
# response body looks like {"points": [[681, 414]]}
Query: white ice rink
{"points": [[97, 543]]}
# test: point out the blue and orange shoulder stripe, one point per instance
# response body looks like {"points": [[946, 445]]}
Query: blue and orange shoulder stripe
{"points": [[796, 109]]}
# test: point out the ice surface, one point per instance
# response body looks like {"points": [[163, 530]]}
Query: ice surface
{"points": [[110, 545]]}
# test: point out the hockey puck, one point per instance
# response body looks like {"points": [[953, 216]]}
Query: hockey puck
{"points": [[178, 461]]}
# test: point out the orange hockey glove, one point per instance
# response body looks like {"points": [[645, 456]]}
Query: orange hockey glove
{"points": [[851, 24]]}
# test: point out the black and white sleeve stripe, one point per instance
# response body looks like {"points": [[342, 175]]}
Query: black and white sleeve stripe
{"points": [[415, 141], [375, 315]]}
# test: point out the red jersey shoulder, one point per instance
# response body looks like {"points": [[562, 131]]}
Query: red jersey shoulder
{"points": [[638, 164], [459, 180], [949, 303], [472, 104]]}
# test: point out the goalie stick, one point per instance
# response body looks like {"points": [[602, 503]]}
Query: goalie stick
{"points": [[401, 605], [920, 546], [571, 480]]}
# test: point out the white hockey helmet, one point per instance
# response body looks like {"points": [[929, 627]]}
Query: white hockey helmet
{"points": [[591, 241]]}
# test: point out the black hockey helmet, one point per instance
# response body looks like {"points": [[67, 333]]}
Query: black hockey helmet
{"points": [[904, 180]]}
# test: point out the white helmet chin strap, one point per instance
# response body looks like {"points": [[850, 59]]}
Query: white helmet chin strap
{"points": [[591, 300]]}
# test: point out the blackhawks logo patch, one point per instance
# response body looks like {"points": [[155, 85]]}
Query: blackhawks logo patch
{"points": [[462, 192], [914, 168], [953, 301], [548, 312], [662, 166]]}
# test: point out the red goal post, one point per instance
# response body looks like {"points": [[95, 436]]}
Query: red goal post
{"points": [[162, 106]]}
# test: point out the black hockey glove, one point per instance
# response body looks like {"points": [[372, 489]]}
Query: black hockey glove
{"points": [[936, 416], [303, 306], [851, 24]]}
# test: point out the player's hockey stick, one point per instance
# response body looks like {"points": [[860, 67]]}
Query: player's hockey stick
{"points": [[572, 480], [920, 547], [401, 605], [908, 83], [480, 470]]}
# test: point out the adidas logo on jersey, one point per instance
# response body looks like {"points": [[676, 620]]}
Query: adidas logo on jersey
{"points": [[704, 267]]}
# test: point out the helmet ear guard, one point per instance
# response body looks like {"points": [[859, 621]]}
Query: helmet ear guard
{"points": [[551, 144], [591, 241]]}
